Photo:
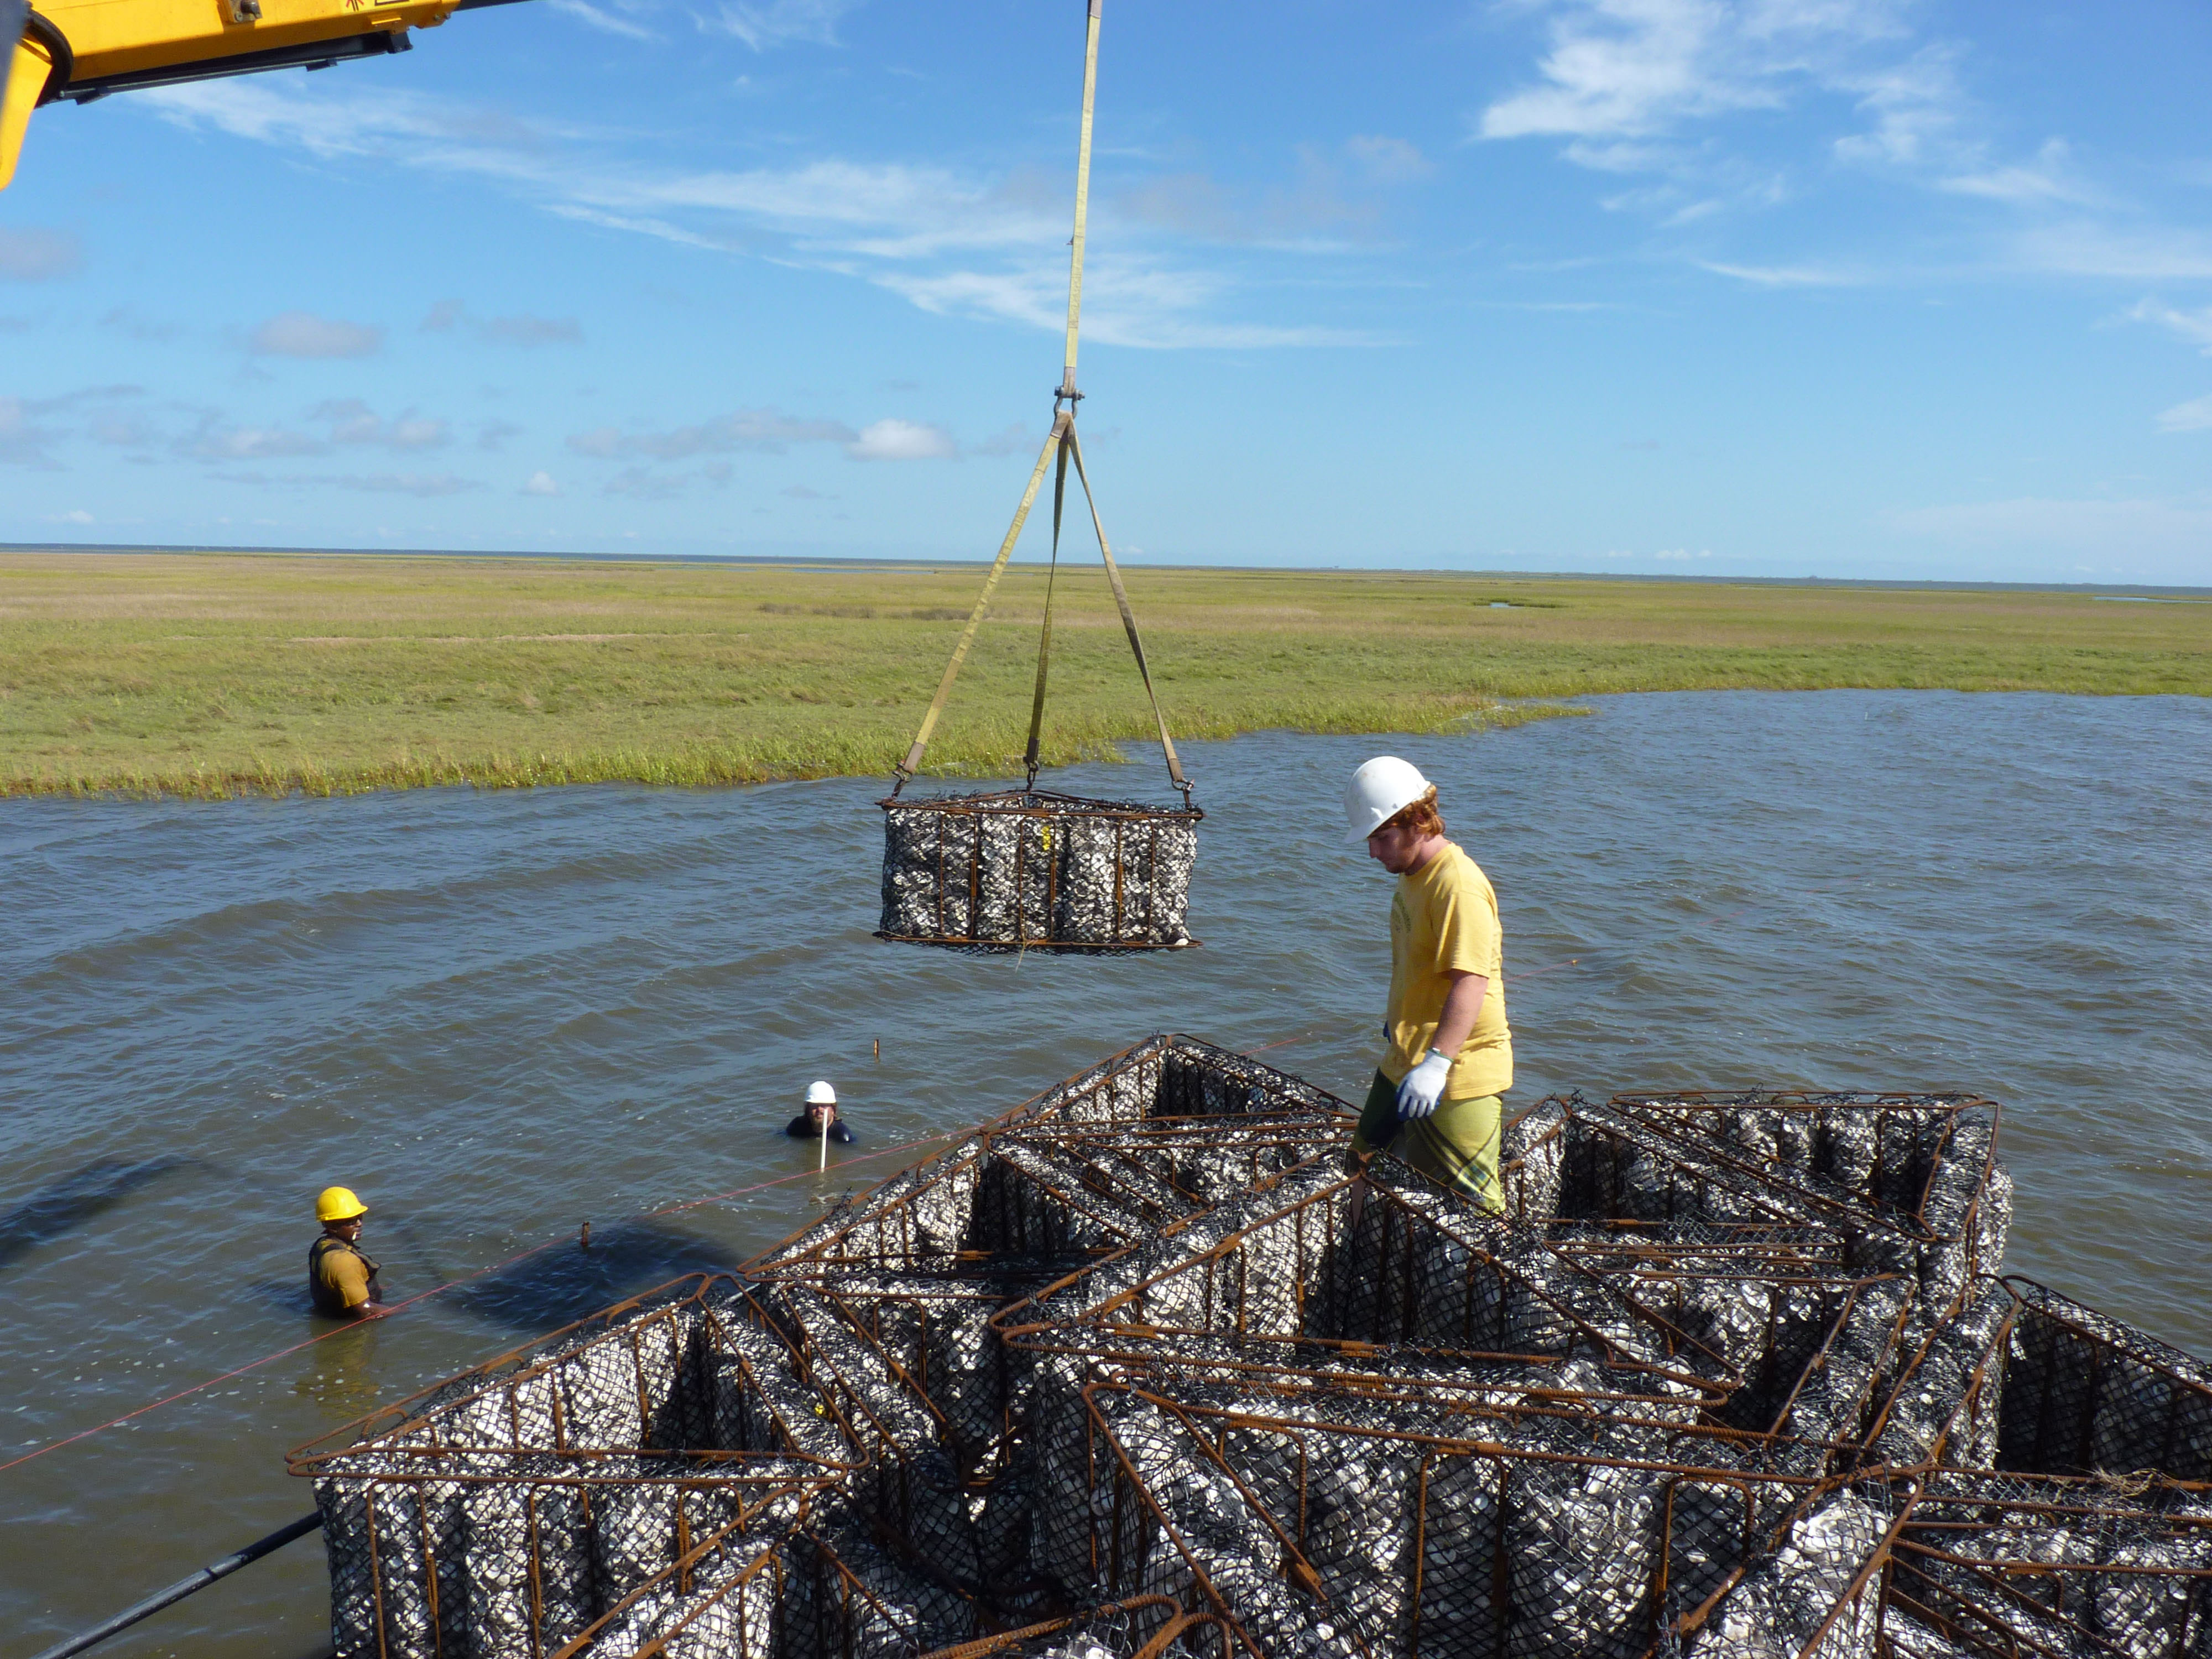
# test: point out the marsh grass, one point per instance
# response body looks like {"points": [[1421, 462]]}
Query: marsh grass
{"points": [[215, 676]]}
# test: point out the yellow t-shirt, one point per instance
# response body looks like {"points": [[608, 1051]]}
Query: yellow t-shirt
{"points": [[1443, 918]]}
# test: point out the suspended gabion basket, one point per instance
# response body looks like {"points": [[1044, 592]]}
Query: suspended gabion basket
{"points": [[1030, 870], [1026, 869]]}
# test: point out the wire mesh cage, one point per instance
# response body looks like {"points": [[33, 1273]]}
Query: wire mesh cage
{"points": [[2085, 1393], [1139, 1371], [508, 1510], [1029, 870], [1912, 1182], [1326, 1521], [2014, 1563]]}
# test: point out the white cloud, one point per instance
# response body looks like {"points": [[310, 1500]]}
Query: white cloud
{"points": [[35, 256], [985, 245], [2194, 326], [2084, 248], [21, 441], [607, 21], [2195, 416], [303, 334], [525, 330], [1389, 161], [2048, 180], [528, 331], [901, 440], [1913, 108], [763, 24], [765, 431], [541, 484], [1645, 86], [1784, 276], [352, 422], [74, 515], [213, 440], [1636, 69]]}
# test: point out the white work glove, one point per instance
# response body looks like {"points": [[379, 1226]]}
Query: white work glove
{"points": [[1424, 1085]]}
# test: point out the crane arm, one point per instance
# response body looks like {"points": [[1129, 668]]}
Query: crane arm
{"points": [[83, 49]]}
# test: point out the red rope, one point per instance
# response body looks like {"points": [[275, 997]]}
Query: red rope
{"points": [[424, 1296]]}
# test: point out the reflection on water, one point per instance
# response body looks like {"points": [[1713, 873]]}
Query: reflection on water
{"points": [[499, 1015]]}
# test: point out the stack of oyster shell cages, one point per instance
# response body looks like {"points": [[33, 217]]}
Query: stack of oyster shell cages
{"points": [[2062, 1499], [1125, 1344], [921, 1262], [524, 1504], [1429, 1282]]}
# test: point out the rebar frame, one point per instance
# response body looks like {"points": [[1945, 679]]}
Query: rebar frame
{"points": [[1375, 1512], [2008, 1565]]}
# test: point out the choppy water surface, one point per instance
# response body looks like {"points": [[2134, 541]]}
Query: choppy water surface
{"points": [[500, 1015]]}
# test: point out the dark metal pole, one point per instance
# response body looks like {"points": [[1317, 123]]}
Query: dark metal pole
{"points": [[184, 1586]]}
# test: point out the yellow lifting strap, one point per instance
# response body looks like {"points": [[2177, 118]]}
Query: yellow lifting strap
{"points": [[1061, 441], [908, 767]]}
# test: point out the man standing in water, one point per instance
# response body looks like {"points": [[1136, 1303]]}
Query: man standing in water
{"points": [[340, 1278], [1438, 1093], [819, 1122]]}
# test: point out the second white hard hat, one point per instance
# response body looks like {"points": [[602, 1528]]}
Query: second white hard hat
{"points": [[1378, 791], [819, 1093]]}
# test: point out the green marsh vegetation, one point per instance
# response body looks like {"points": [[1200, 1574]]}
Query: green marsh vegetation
{"points": [[217, 675]]}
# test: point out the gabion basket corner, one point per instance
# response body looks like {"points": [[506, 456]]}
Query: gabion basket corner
{"points": [[1030, 870]]}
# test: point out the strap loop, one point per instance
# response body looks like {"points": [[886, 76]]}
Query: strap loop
{"points": [[1044, 637]]}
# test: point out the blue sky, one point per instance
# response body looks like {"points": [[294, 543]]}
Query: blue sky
{"points": [[1779, 288]]}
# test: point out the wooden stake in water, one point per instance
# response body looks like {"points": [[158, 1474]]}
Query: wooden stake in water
{"points": [[822, 1161]]}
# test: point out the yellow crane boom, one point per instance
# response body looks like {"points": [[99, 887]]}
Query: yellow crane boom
{"points": [[81, 50]]}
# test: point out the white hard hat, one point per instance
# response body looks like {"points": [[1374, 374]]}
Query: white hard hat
{"points": [[1378, 791], [819, 1093]]}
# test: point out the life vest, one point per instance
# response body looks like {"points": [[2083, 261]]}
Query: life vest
{"points": [[325, 1294]]}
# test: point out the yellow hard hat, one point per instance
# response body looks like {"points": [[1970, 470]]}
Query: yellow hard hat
{"points": [[339, 1204]]}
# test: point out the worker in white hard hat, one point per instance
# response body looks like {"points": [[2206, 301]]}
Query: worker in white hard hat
{"points": [[341, 1279], [1437, 1099], [819, 1122]]}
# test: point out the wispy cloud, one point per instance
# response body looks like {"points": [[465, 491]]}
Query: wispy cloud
{"points": [[606, 21], [2048, 180], [765, 24], [901, 440], [1785, 275], [405, 483], [353, 421], [31, 255], [304, 334], [525, 330], [978, 244], [2195, 416], [23, 441], [1637, 69], [1734, 104], [216, 440], [2194, 326], [761, 431]]}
